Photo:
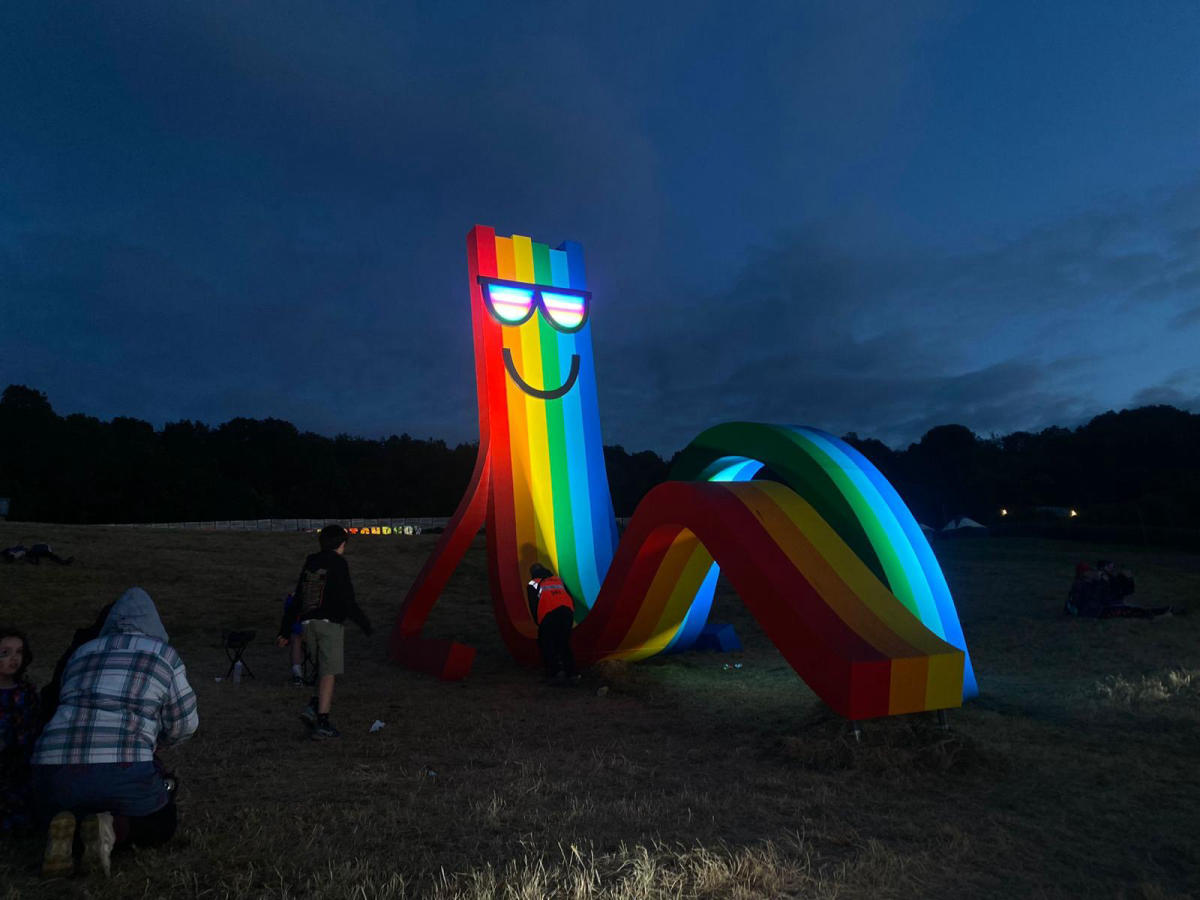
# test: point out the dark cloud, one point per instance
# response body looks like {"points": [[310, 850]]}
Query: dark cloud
{"points": [[1181, 389], [1188, 318], [1048, 328]]}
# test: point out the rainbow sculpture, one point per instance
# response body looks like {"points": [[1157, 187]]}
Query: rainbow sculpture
{"points": [[827, 558]]}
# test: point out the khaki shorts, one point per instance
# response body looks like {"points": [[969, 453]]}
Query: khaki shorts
{"points": [[325, 640]]}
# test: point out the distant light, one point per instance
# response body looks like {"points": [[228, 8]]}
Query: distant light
{"points": [[1073, 514], [1004, 512]]}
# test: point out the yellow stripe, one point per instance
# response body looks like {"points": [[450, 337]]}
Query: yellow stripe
{"points": [[813, 548], [863, 583], [537, 450], [645, 637], [944, 688], [684, 591], [532, 490], [522, 258]]}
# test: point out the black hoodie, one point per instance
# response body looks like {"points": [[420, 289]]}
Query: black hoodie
{"points": [[328, 574]]}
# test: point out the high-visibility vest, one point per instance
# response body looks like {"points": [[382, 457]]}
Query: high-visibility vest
{"points": [[551, 594]]}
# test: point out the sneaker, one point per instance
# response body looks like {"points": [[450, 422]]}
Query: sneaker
{"points": [[58, 861], [309, 713], [98, 841], [324, 729]]}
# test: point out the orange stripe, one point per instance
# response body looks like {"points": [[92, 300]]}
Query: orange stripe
{"points": [[505, 264], [908, 686]]}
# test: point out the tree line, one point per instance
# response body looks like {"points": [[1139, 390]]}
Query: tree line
{"points": [[1131, 474], [1135, 469], [80, 469]]}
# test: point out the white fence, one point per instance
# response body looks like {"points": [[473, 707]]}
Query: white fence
{"points": [[385, 526]]}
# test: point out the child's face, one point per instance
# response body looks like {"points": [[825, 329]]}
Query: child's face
{"points": [[12, 654]]}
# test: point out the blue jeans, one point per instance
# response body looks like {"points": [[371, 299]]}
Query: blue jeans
{"points": [[124, 789]]}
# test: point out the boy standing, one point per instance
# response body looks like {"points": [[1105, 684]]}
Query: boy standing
{"points": [[324, 600]]}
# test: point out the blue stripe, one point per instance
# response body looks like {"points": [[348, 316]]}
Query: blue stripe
{"points": [[934, 578], [577, 472]]}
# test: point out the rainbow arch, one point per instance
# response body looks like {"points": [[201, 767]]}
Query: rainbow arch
{"points": [[850, 516], [842, 630]]}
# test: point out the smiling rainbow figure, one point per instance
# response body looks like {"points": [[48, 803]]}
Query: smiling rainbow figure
{"points": [[827, 557]]}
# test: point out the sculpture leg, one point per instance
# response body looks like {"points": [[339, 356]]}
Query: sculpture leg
{"points": [[449, 660]]}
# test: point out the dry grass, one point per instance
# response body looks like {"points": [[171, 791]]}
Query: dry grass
{"points": [[1073, 774]]}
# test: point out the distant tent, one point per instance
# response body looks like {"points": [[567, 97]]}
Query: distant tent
{"points": [[928, 531], [1053, 512], [963, 527]]}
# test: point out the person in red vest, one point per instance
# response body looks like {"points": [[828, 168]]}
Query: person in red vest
{"points": [[553, 610]]}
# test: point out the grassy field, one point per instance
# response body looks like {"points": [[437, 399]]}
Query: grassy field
{"points": [[1074, 773]]}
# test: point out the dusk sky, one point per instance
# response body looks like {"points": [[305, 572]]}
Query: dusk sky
{"points": [[867, 217]]}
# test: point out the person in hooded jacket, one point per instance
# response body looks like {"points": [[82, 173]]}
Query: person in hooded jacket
{"points": [[553, 611], [124, 695]]}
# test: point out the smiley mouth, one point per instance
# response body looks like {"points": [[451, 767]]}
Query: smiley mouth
{"points": [[534, 392]]}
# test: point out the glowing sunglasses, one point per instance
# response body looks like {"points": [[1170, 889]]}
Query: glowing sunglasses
{"points": [[514, 302]]}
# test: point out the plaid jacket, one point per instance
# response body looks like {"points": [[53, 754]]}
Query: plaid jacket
{"points": [[121, 696]]}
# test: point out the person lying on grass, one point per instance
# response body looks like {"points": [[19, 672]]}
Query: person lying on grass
{"points": [[123, 695]]}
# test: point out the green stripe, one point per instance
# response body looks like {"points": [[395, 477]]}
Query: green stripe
{"points": [[556, 446], [775, 447], [895, 575], [542, 273]]}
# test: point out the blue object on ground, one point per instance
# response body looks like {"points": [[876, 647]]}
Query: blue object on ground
{"points": [[719, 637]]}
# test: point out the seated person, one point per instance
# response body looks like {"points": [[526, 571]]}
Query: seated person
{"points": [[95, 757], [1088, 594], [1120, 581], [19, 726], [1100, 593]]}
